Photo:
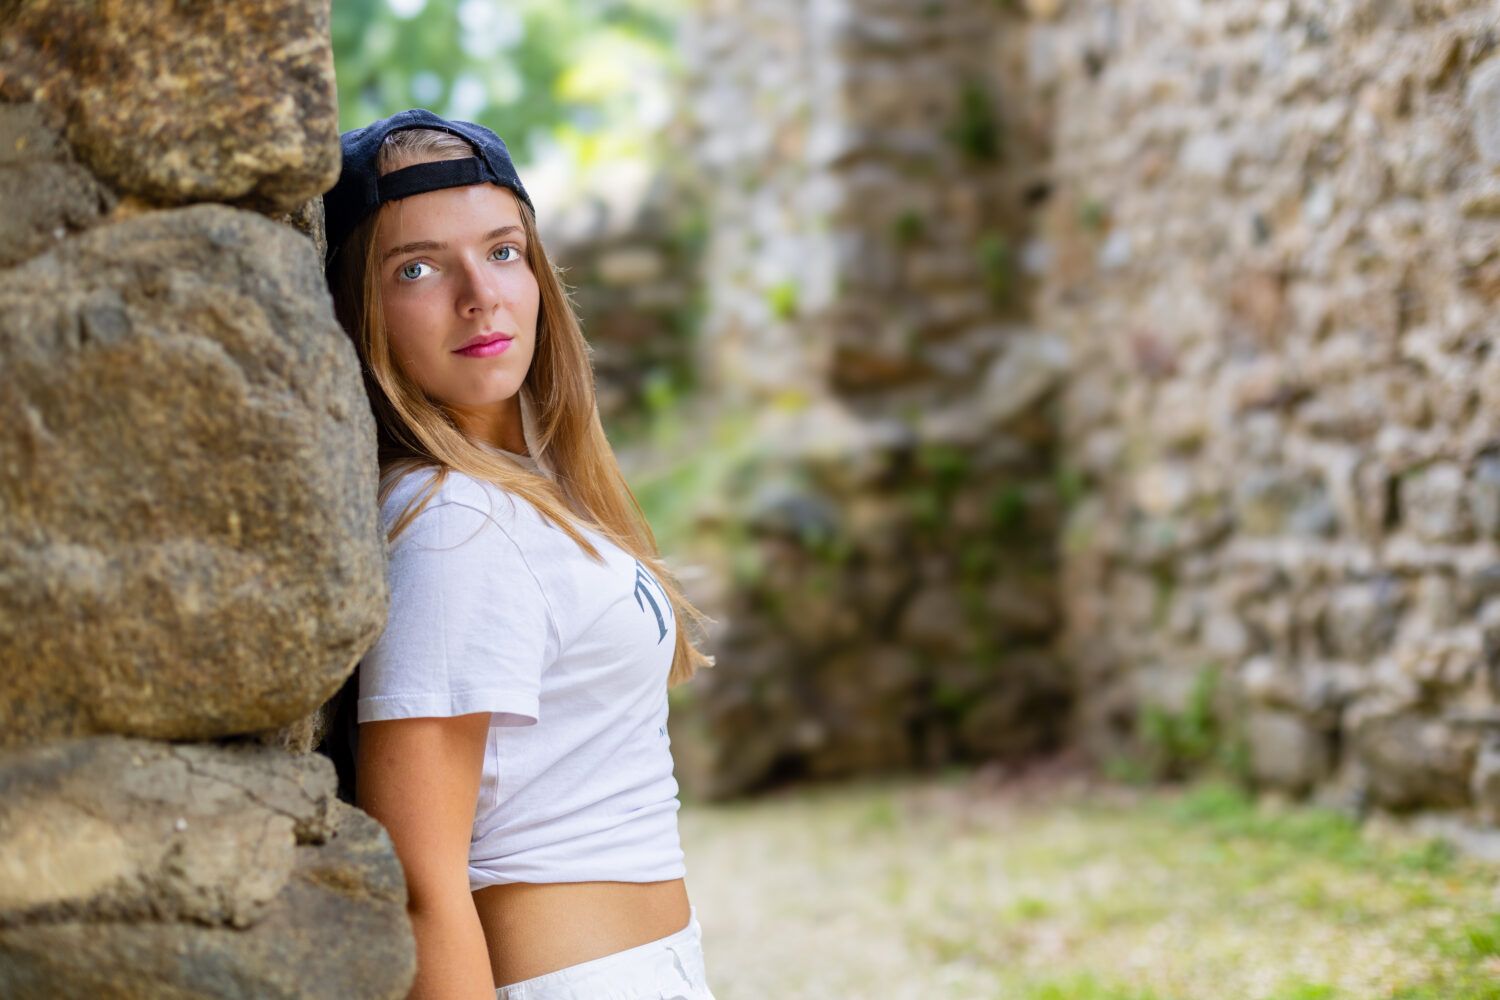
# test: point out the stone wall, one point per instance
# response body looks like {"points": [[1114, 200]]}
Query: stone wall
{"points": [[189, 548], [1258, 520], [1275, 246], [628, 255], [887, 528]]}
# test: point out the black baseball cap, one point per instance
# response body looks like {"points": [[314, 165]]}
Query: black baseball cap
{"points": [[361, 190]]}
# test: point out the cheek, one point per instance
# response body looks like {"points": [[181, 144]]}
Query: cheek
{"points": [[410, 356], [401, 353], [397, 336], [403, 324], [532, 297]]}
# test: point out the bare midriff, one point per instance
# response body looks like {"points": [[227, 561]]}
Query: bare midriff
{"points": [[532, 930]]}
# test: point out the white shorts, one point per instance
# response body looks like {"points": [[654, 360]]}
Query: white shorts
{"points": [[667, 969]]}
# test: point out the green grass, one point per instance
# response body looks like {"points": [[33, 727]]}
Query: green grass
{"points": [[947, 889], [1083, 988]]}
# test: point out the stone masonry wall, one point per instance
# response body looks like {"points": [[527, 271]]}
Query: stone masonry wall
{"points": [[629, 258], [1261, 239], [1274, 248], [888, 528], [190, 559]]}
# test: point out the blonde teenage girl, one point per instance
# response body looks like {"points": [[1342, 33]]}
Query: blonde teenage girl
{"points": [[513, 716]]}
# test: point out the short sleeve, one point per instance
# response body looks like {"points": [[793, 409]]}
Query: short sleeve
{"points": [[469, 628]]}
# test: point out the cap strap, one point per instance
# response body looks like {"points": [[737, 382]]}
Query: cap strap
{"points": [[433, 176]]}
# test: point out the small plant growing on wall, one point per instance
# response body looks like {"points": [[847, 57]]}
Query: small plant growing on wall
{"points": [[1093, 215], [998, 266], [1176, 745], [976, 129], [782, 300]]}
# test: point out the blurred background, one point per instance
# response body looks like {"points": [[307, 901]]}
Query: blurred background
{"points": [[1044, 397]]}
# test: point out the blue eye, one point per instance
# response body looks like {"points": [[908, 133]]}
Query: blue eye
{"points": [[413, 271], [514, 253]]}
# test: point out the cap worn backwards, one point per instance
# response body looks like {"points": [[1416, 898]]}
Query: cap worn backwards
{"points": [[361, 190]]}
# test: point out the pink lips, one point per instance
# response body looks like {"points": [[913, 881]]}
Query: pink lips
{"points": [[486, 345]]}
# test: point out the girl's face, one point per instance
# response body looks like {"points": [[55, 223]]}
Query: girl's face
{"points": [[461, 303]]}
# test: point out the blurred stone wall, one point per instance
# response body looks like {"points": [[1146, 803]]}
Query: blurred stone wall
{"points": [[1257, 522], [870, 178], [1274, 250], [190, 561], [628, 254]]}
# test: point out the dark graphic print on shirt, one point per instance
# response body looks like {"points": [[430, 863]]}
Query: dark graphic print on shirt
{"points": [[646, 590]]}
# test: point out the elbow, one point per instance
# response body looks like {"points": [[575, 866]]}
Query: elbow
{"points": [[442, 902]]}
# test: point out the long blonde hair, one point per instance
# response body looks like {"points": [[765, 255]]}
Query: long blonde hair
{"points": [[416, 432]]}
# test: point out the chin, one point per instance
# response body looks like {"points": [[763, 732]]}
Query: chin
{"points": [[481, 401]]}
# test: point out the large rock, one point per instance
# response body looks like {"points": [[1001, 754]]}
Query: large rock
{"points": [[1413, 761], [1432, 503], [1484, 783], [1028, 368], [189, 545], [45, 193], [180, 102], [135, 869], [1286, 750], [109, 828], [308, 219], [1482, 98]]}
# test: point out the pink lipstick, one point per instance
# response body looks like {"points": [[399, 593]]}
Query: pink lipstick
{"points": [[486, 345]]}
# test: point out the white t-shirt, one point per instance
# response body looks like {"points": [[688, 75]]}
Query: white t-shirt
{"points": [[493, 609]]}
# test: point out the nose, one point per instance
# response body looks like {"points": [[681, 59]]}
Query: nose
{"points": [[481, 289]]}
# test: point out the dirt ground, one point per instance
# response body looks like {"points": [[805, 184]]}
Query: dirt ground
{"points": [[1056, 886]]}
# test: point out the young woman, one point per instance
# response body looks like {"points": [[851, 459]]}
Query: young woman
{"points": [[512, 717]]}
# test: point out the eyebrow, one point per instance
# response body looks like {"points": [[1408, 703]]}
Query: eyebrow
{"points": [[422, 245]]}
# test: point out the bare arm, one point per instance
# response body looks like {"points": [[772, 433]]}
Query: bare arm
{"points": [[420, 779]]}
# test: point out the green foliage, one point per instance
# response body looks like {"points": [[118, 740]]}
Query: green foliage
{"points": [[1230, 812], [1482, 939], [1469, 949], [1093, 215], [659, 394], [1070, 485], [976, 564], [1305, 991], [1028, 908], [976, 130], [529, 69], [782, 299], [1008, 510], [1183, 743], [1127, 769], [997, 266], [1435, 857], [1164, 589], [831, 547], [672, 494], [1475, 987], [1084, 987], [946, 466], [954, 699], [908, 227], [940, 472], [1325, 833], [1312, 854]]}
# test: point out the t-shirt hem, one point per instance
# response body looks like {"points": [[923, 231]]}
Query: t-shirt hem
{"points": [[507, 708], [481, 879]]}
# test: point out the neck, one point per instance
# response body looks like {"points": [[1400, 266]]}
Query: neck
{"points": [[497, 426]]}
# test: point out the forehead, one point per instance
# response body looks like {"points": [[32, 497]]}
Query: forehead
{"points": [[448, 215]]}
